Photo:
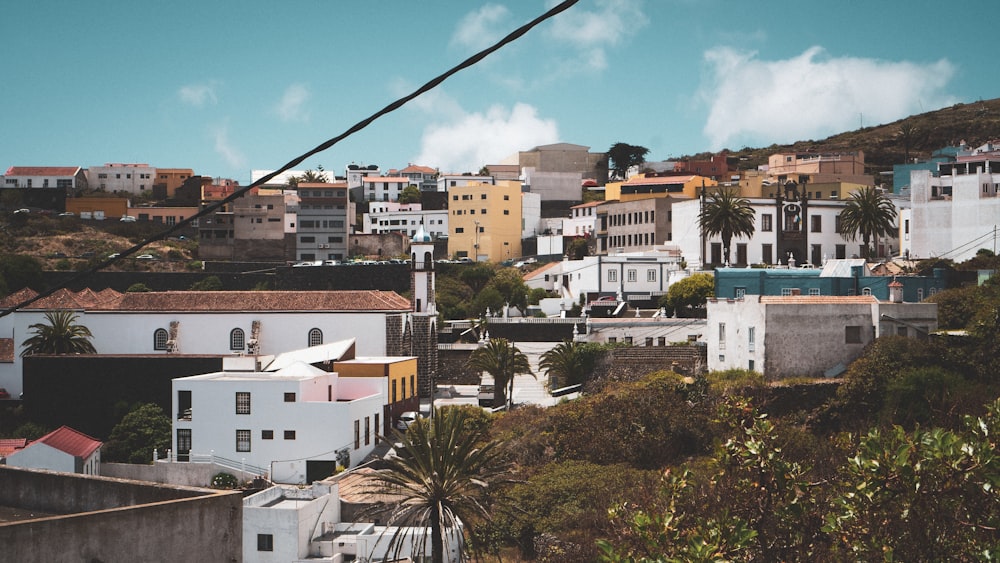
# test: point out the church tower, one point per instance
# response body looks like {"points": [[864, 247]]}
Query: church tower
{"points": [[423, 316]]}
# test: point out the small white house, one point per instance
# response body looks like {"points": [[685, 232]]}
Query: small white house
{"points": [[298, 423], [292, 524], [806, 335], [64, 449]]}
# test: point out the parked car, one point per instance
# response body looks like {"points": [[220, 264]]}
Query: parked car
{"points": [[406, 420], [21, 211], [127, 219], [145, 257]]}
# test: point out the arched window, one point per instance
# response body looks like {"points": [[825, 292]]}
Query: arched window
{"points": [[160, 337], [315, 337], [237, 339], [866, 291]]}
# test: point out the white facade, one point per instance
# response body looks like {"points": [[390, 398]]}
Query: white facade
{"points": [[278, 420], [291, 524], [824, 242], [447, 181], [206, 323], [639, 276], [115, 177], [394, 217], [957, 213], [805, 336], [383, 188], [531, 215], [44, 456], [44, 177], [582, 220]]}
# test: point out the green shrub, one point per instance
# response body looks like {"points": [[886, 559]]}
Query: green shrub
{"points": [[223, 480]]}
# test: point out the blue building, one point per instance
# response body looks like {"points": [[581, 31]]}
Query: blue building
{"points": [[837, 277], [901, 172]]}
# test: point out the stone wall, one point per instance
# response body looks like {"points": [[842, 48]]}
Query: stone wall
{"points": [[102, 519], [632, 363]]}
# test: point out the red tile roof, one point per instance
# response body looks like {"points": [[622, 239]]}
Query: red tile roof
{"points": [[42, 171], [416, 168], [73, 442], [10, 445], [208, 301]]}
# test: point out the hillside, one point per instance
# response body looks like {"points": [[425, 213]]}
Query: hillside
{"points": [[916, 136]]}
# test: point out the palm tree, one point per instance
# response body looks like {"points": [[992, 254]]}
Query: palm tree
{"points": [[443, 466], [307, 177], [566, 363], [728, 215], [60, 336], [501, 359], [868, 213]]}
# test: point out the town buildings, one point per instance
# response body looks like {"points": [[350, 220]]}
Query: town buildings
{"points": [[324, 220], [484, 221]]}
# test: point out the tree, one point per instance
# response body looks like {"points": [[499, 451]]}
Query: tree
{"points": [[687, 297], [577, 249], [870, 214], [20, 271], [477, 275], [211, 283], [566, 364], [442, 469], [142, 430], [60, 336], [410, 194], [622, 156], [501, 359], [728, 215], [308, 177], [138, 287], [510, 284]]}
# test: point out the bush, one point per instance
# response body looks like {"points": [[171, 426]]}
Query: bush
{"points": [[138, 288], [225, 480], [211, 283]]}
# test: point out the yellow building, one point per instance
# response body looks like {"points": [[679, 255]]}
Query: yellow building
{"points": [[400, 373], [98, 207], [485, 221], [169, 179], [642, 187]]}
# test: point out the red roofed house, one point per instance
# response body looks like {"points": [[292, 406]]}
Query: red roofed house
{"points": [[63, 449], [68, 177]]}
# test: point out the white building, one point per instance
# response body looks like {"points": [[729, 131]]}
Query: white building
{"points": [[806, 336], [383, 188], [813, 239], [64, 449], [67, 177], [955, 212], [298, 422], [447, 181], [582, 220], [120, 177], [295, 524], [211, 322], [405, 218]]}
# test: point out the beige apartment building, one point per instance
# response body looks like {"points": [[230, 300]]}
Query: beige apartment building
{"points": [[485, 221]]}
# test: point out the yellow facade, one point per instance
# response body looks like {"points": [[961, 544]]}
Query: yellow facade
{"points": [[94, 207], [642, 187], [485, 221], [172, 178]]}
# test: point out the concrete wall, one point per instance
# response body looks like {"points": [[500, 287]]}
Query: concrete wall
{"points": [[113, 520], [184, 474]]}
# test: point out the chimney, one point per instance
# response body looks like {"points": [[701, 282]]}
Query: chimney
{"points": [[896, 291], [796, 291]]}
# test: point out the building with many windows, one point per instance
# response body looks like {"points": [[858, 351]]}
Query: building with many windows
{"points": [[634, 225], [324, 221], [404, 218], [120, 177], [485, 221]]}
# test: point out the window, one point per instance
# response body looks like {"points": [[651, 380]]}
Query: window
{"points": [[243, 440], [837, 224], [413, 385], [765, 222], [160, 337], [506, 211], [267, 434], [237, 339], [183, 443], [786, 291], [265, 542], [751, 338], [368, 430], [632, 276], [852, 334], [766, 255], [305, 240], [315, 337], [612, 275], [289, 397], [289, 434], [651, 275], [242, 402], [357, 434], [722, 336], [394, 390], [866, 291], [816, 223], [459, 230], [740, 292], [377, 430], [813, 291]]}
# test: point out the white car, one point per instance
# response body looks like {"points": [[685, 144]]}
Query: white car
{"points": [[406, 420], [127, 219]]}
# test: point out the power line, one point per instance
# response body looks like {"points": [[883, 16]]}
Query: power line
{"points": [[433, 83]]}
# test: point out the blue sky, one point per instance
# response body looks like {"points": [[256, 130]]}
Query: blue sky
{"points": [[226, 87]]}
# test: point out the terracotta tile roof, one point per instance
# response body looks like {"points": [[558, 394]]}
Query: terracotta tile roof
{"points": [[415, 168], [657, 180], [42, 171], [10, 445], [376, 179], [111, 300], [540, 272], [73, 442], [7, 350], [64, 299], [818, 299], [260, 301], [588, 204]]}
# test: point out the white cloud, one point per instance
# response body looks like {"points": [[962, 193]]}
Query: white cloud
{"points": [[754, 102], [292, 104], [225, 148], [482, 28], [473, 140], [592, 32], [198, 94]]}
